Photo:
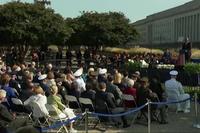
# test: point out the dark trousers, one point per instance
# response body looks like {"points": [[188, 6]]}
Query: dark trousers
{"points": [[17, 123]]}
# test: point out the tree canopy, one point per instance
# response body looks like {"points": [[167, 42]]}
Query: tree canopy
{"points": [[92, 28], [31, 24]]}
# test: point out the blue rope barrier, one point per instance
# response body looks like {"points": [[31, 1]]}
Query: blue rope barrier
{"points": [[139, 108], [121, 114], [170, 102], [110, 115], [61, 123]]}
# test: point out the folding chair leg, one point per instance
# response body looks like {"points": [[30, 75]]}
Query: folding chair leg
{"points": [[134, 117], [60, 129], [96, 124]]}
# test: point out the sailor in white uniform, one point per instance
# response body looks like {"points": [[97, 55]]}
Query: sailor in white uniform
{"points": [[79, 80], [175, 91]]}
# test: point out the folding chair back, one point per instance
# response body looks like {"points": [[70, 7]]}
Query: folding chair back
{"points": [[16, 101], [72, 102], [40, 116], [86, 103], [127, 97], [19, 105], [38, 112]]}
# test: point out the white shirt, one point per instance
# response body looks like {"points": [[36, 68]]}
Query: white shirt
{"points": [[173, 84], [40, 99], [80, 84]]}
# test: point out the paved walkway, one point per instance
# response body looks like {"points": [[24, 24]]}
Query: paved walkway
{"points": [[178, 123]]}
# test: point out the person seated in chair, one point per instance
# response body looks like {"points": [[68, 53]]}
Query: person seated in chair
{"points": [[173, 85], [144, 93], [104, 103], [8, 120], [156, 87], [61, 110]]}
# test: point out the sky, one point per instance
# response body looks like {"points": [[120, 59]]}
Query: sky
{"points": [[132, 9]]}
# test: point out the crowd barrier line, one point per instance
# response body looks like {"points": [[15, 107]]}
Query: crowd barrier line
{"points": [[61, 123], [56, 125]]}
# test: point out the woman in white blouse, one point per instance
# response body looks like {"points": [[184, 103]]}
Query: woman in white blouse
{"points": [[40, 99]]}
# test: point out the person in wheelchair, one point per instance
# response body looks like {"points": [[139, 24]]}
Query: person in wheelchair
{"points": [[144, 93]]}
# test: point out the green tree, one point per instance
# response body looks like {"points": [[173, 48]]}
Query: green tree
{"points": [[25, 24], [110, 29]]}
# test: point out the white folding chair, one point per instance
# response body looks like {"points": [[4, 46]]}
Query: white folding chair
{"points": [[55, 118], [39, 113], [17, 101]]}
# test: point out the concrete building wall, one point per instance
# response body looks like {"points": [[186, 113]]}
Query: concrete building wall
{"points": [[171, 26]]}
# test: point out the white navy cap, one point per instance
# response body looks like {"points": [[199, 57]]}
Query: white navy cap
{"points": [[42, 77], [102, 71], [91, 63], [173, 72], [79, 72]]}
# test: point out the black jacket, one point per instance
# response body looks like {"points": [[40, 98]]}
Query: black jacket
{"points": [[103, 101], [5, 116]]}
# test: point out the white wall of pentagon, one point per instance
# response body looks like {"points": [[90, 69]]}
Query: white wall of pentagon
{"points": [[171, 26]]}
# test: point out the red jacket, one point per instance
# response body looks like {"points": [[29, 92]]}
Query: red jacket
{"points": [[130, 91]]}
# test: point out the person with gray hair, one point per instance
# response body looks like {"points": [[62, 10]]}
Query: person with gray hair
{"points": [[9, 120]]}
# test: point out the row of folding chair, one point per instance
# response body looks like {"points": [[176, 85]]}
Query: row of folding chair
{"points": [[86, 103], [40, 117], [80, 105]]}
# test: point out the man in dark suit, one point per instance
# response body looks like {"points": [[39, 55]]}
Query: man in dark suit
{"points": [[104, 103]]}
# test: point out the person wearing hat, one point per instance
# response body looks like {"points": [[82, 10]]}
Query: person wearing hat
{"points": [[144, 93], [43, 84], [79, 80], [102, 77], [177, 88]]}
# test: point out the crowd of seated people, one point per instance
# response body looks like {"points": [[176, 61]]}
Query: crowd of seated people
{"points": [[116, 60], [49, 85]]}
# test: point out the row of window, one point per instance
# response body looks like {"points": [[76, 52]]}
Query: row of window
{"points": [[188, 26]]}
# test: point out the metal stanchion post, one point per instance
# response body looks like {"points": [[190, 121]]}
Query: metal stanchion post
{"points": [[86, 120], [196, 124], [149, 116]]}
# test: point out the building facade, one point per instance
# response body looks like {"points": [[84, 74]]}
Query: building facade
{"points": [[171, 26]]}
